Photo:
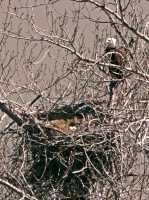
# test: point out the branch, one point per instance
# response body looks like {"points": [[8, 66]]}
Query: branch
{"points": [[30, 104], [13, 116], [117, 16], [16, 189]]}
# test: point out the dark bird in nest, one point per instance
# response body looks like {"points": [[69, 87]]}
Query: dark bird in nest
{"points": [[68, 118]]}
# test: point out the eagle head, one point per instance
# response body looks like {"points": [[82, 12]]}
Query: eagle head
{"points": [[111, 42]]}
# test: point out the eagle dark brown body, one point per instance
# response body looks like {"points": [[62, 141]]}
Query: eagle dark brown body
{"points": [[117, 57]]}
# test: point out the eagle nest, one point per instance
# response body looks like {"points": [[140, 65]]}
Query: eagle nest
{"points": [[68, 150]]}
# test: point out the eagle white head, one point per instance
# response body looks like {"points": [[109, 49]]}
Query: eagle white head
{"points": [[111, 42]]}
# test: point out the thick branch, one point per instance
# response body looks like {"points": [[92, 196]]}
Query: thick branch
{"points": [[30, 104], [13, 116]]}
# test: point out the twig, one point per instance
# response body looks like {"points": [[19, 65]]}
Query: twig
{"points": [[34, 100], [18, 190]]}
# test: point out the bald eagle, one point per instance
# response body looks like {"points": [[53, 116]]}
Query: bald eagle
{"points": [[117, 57], [66, 118]]}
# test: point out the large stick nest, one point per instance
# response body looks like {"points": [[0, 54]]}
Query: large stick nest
{"points": [[65, 160]]}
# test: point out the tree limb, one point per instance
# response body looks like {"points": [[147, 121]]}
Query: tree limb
{"points": [[13, 116]]}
